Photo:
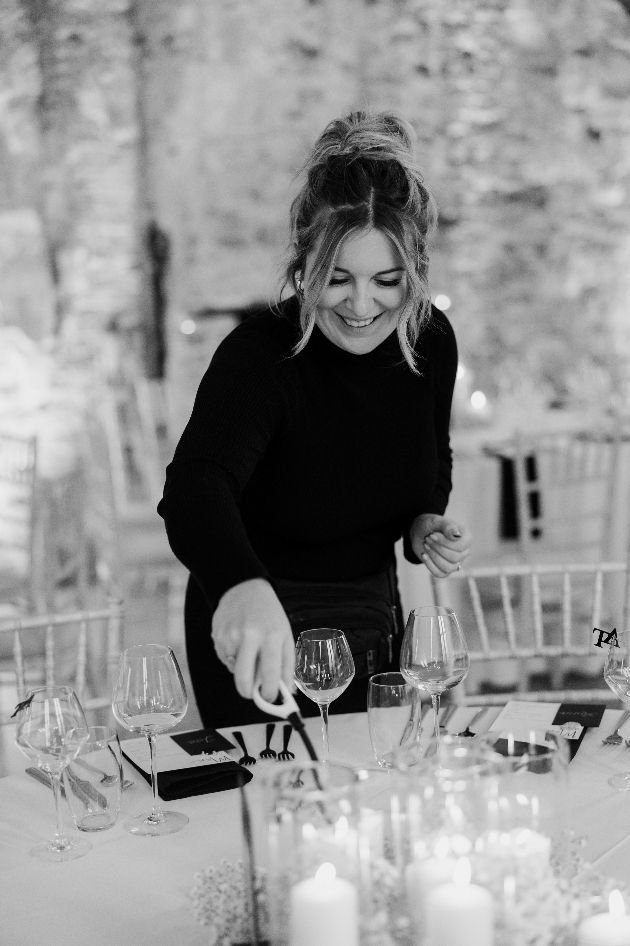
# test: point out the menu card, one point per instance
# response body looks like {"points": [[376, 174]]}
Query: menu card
{"points": [[569, 720], [188, 763]]}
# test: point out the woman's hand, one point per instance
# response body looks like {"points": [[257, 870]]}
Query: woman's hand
{"points": [[441, 543], [252, 637]]}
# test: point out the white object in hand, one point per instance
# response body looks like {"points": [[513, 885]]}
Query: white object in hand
{"points": [[460, 913], [607, 929], [324, 911]]}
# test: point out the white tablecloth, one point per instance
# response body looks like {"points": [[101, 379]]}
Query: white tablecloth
{"points": [[133, 891]]}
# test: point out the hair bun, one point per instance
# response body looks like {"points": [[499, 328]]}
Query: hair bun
{"points": [[380, 136]]}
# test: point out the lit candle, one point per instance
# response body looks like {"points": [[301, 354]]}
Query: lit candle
{"points": [[324, 911], [460, 913], [425, 874], [522, 844], [607, 929], [371, 827]]}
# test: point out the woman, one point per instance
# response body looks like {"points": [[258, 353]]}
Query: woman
{"points": [[320, 436]]}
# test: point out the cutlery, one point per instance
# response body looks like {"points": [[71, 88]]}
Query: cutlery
{"points": [[298, 780], [267, 752], [468, 731], [246, 759], [80, 788], [285, 755], [44, 778], [450, 710], [106, 779], [615, 739]]}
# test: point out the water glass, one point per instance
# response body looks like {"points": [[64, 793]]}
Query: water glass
{"points": [[93, 781], [393, 708]]}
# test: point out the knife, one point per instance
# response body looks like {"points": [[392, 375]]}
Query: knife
{"points": [[44, 778], [82, 789]]}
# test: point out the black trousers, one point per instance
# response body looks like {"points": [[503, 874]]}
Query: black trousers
{"points": [[217, 698]]}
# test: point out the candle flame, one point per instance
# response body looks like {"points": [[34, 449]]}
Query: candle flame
{"points": [[615, 903], [462, 872], [326, 873], [510, 743]]}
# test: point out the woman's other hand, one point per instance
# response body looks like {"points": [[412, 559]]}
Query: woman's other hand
{"points": [[442, 544], [252, 637]]}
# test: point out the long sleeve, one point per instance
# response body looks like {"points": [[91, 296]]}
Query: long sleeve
{"points": [[445, 372], [238, 407]]}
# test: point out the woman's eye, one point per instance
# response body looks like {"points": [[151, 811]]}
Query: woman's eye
{"points": [[337, 282], [384, 284]]}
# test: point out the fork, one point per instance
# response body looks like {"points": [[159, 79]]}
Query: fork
{"points": [[285, 755], [247, 759], [615, 739], [106, 779], [468, 731], [267, 752]]}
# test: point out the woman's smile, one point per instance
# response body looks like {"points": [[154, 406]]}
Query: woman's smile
{"points": [[360, 306]]}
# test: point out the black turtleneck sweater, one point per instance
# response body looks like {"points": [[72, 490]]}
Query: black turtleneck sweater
{"points": [[308, 467]]}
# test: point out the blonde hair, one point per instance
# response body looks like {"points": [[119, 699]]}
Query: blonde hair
{"points": [[362, 174]]}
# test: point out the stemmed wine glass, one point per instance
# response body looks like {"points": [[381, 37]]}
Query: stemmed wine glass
{"points": [[51, 729], [434, 655], [617, 676], [150, 697], [323, 669]]}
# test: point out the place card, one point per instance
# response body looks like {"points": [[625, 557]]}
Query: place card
{"points": [[570, 720]]}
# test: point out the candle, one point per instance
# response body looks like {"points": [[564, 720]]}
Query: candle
{"points": [[424, 875], [371, 827], [460, 913], [521, 844], [607, 929], [324, 911]]}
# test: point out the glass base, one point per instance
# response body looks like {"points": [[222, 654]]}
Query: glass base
{"points": [[620, 781], [54, 851], [145, 825]]}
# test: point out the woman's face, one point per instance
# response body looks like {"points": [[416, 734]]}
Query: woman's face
{"points": [[360, 306]]}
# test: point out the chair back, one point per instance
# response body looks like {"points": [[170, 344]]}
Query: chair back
{"points": [[565, 485], [21, 558], [525, 612], [88, 665]]}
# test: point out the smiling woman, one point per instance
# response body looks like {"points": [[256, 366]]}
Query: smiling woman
{"points": [[320, 436], [360, 306]]}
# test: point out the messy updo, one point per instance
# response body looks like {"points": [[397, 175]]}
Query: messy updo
{"points": [[362, 174]]}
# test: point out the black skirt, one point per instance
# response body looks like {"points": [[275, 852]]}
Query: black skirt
{"points": [[217, 699]]}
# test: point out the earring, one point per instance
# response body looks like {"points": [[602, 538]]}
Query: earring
{"points": [[300, 287]]}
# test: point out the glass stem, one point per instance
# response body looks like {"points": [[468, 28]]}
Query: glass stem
{"points": [[435, 700], [156, 814], [60, 841], [323, 708]]}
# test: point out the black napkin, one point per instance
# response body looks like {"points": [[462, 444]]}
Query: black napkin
{"points": [[201, 780]]}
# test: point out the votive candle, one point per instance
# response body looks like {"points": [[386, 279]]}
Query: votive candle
{"points": [[607, 929], [460, 913]]}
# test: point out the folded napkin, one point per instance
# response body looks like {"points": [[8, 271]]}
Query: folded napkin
{"points": [[182, 783], [183, 780]]}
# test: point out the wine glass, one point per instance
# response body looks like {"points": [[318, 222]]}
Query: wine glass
{"points": [[617, 676], [323, 669], [150, 697], [51, 729], [434, 655]]}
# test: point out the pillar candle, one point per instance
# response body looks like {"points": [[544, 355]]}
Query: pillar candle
{"points": [[607, 929], [459, 913], [423, 875], [324, 911]]}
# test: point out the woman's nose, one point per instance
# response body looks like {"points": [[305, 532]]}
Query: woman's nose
{"points": [[361, 300]]}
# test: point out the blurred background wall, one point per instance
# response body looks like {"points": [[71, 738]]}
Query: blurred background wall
{"points": [[148, 151]]}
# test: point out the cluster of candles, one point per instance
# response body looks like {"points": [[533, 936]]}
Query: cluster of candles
{"points": [[446, 909]]}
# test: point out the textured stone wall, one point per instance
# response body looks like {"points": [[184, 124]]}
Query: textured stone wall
{"points": [[523, 118], [68, 133]]}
